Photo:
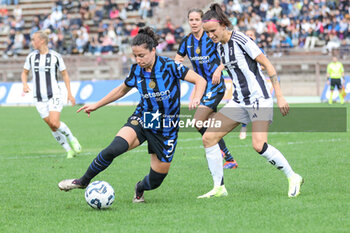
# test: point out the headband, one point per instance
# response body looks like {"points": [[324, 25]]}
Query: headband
{"points": [[211, 20]]}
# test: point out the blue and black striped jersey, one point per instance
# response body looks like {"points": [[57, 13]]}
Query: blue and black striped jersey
{"points": [[159, 90], [204, 58]]}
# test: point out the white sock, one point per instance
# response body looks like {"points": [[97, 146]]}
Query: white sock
{"points": [[276, 158], [65, 131], [215, 165], [61, 139]]}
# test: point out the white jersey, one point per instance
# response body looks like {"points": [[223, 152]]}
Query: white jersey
{"points": [[238, 55], [44, 69]]}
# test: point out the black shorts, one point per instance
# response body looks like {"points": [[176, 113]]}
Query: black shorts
{"points": [[336, 82], [212, 100], [161, 144]]}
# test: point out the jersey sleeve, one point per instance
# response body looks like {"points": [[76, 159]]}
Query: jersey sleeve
{"points": [[182, 47], [177, 69], [247, 44], [130, 80], [61, 65], [27, 63]]}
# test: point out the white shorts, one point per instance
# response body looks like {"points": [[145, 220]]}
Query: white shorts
{"points": [[55, 104], [260, 110]]}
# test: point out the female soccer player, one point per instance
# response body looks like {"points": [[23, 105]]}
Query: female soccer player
{"points": [[158, 81], [205, 60], [44, 64], [251, 100]]}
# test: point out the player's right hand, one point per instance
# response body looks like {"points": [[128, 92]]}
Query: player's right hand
{"points": [[26, 88], [88, 108]]}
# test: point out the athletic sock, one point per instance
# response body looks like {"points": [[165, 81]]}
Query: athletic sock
{"points": [[65, 131], [276, 158], [228, 157], [117, 147], [62, 140], [222, 145], [215, 165], [151, 181]]}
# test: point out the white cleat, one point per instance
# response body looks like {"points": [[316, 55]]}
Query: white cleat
{"points": [[295, 183], [70, 184], [74, 143], [138, 197], [218, 191], [243, 133]]}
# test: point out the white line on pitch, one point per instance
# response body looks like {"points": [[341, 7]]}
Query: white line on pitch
{"points": [[179, 148]]}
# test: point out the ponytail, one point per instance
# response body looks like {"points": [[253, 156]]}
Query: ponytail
{"points": [[217, 14], [146, 36]]}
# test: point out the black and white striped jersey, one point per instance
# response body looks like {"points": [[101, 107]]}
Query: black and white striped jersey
{"points": [[44, 69], [238, 56]]}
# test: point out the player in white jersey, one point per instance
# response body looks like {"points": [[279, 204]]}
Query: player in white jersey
{"points": [[44, 64], [251, 100]]}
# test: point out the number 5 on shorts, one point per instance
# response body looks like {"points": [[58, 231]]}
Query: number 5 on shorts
{"points": [[171, 144]]}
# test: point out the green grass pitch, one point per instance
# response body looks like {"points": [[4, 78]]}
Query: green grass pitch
{"points": [[32, 163]]}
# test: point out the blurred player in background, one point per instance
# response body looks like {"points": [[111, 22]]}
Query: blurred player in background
{"points": [[251, 100], [205, 60], [335, 76], [44, 64], [158, 81]]}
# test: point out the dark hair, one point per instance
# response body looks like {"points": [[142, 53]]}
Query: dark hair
{"points": [[147, 37], [195, 10], [217, 13]]}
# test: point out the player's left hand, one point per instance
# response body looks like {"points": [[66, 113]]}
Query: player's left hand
{"points": [[283, 106], [71, 99], [194, 103]]}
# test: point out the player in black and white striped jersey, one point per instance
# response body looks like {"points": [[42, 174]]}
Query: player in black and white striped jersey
{"points": [[45, 64], [251, 100]]}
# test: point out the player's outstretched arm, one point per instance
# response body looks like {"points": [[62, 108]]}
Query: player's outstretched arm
{"points": [[112, 96], [281, 102], [200, 85]]}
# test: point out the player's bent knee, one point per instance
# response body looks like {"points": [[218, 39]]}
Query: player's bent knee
{"points": [[156, 178], [118, 146], [209, 139], [260, 147]]}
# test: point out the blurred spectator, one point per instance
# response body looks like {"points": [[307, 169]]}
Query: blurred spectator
{"points": [[107, 45], [114, 13], [170, 40], [145, 7], [333, 43]]}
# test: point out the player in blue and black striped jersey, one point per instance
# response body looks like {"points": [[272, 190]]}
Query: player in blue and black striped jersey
{"points": [[158, 81], [202, 52]]}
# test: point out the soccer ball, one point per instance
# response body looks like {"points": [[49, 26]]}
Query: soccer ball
{"points": [[99, 195]]}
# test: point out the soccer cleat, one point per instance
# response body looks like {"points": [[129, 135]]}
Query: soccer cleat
{"points": [[230, 164], [74, 143], [138, 196], [218, 191], [70, 154], [243, 133], [70, 184], [295, 183]]}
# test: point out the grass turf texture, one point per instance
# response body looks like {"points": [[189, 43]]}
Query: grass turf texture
{"points": [[32, 163]]}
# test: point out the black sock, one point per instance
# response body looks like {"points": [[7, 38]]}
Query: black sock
{"points": [[228, 157], [152, 181], [118, 146]]}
